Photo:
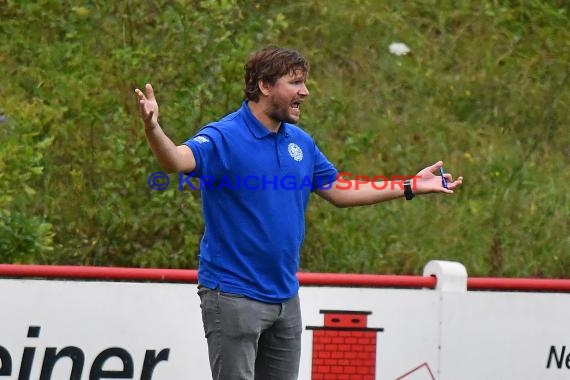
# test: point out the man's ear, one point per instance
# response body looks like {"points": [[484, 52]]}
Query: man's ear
{"points": [[264, 87]]}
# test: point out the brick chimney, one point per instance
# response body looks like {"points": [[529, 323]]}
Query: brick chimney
{"points": [[344, 348]]}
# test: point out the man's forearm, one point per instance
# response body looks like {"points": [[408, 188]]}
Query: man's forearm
{"points": [[163, 148], [352, 193]]}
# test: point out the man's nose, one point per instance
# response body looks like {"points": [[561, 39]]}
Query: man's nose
{"points": [[304, 90]]}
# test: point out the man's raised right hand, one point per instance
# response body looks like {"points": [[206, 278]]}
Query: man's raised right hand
{"points": [[148, 107]]}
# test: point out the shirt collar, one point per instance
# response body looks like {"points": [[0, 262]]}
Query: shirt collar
{"points": [[255, 126]]}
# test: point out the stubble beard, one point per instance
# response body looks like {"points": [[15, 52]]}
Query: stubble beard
{"points": [[280, 112]]}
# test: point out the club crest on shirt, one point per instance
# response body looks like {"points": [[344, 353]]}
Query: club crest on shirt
{"points": [[295, 151]]}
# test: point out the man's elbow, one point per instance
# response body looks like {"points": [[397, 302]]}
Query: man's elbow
{"points": [[336, 199], [177, 166], [341, 204], [345, 199], [168, 167]]}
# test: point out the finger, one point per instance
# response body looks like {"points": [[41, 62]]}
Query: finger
{"points": [[139, 94], [142, 105], [435, 167], [149, 91], [146, 114], [456, 183]]}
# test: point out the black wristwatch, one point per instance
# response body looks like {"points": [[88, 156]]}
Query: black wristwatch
{"points": [[408, 193]]}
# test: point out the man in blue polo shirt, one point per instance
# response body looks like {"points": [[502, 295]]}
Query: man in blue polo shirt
{"points": [[259, 181], [257, 171]]}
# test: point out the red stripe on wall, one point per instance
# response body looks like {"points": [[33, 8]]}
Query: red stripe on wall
{"points": [[100, 273], [305, 278], [520, 284], [370, 280]]}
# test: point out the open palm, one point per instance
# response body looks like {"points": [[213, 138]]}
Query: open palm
{"points": [[148, 106]]}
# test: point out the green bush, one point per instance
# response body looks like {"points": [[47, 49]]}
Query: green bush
{"points": [[25, 232], [484, 88]]}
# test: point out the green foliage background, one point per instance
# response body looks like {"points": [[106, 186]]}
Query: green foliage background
{"points": [[485, 88]]}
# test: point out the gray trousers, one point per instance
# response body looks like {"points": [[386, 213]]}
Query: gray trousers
{"points": [[251, 340]]}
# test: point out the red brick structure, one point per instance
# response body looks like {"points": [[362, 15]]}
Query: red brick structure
{"points": [[344, 348]]}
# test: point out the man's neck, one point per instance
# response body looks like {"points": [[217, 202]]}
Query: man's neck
{"points": [[258, 109]]}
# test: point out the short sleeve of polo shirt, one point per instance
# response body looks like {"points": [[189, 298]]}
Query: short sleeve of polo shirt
{"points": [[204, 147], [325, 172]]}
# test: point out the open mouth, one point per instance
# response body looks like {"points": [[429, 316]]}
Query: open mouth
{"points": [[296, 106]]}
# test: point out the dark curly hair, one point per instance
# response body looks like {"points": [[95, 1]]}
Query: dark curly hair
{"points": [[269, 64]]}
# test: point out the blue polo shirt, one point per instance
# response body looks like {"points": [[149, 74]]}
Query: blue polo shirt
{"points": [[255, 187]]}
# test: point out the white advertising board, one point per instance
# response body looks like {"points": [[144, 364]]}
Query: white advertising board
{"points": [[113, 330], [91, 330], [409, 319], [505, 335]]}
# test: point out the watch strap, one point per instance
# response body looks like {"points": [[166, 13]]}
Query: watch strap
{"points": [[408, 192]]}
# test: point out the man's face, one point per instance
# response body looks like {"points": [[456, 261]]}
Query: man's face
{"points": [[286, 96]]}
